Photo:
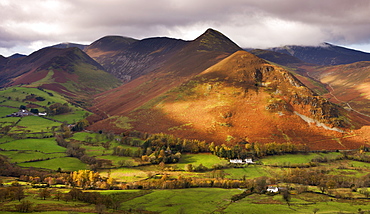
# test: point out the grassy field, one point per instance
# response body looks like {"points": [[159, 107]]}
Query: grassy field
{"points": [[198, 200], [22, 156], [297, 158], [20, 93], [72, 117], [48, 145], [33, 124], [5, 111], [65, 163], [13, 103], [126, 174], [5, 138], [250, 172], [115, 159], [207, 160]]}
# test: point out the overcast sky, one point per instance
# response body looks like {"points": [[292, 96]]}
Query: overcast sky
{"points": [[28, 25]]}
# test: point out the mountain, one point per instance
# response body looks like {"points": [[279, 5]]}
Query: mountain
{"points": [[324, 54], [347, 85], [209, 91], [176, 66], [17, 55], [276, 57], [128, 59], [69, 71], [69, 45]]}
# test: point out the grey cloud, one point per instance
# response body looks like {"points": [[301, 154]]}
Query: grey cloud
{"points": [[249, 23]]}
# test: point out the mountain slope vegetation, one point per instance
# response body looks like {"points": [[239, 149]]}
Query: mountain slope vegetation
{"points": [[68, 70], [241, 98]]}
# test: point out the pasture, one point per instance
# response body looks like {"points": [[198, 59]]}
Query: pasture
{"points": [[206, 159], [250, 172], [22, 156], [65, 163], [297, 158], [71, 117], [34, 124], [6, 111], [47, 145]]}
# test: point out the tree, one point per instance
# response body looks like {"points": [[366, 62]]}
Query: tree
{"points": [[44, 193], [189, 167], [161, 165], [17, 193], [80, 125], [286, 196], [100, 208], [34, 110], [58, 195], [25, 206]]}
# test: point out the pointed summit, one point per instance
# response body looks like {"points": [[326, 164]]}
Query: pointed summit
{"points": [[212, 40]]}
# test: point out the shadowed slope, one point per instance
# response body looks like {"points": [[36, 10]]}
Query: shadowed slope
{"points": [[325, 54], [178, 68]]}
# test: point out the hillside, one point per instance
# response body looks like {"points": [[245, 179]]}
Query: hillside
{"points": [[128, 59], [324, 54], [241, 98], [179, 67], [68, 71], [348, 85]]}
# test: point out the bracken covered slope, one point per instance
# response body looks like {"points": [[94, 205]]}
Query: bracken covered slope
{"points": [[180, 66], [241, 98]]}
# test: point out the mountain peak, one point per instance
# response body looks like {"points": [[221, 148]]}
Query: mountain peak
{"points": [[109, 43], [213, 40]]}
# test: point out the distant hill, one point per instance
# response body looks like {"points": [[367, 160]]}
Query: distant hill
{"points": [[276, 57], [325, 54], [17, 55], [69, 45], [69, 71]]}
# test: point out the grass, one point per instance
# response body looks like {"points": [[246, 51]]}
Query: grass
{"points": [[33, 124], [95, 150], [116, 159], [125, 174], [18, 94], [6, 111], [296, 158], [215, 200], [13, 103], [22, 156], [72, 117], [199, 200], [206, 159], [9, 119], [359, 164], [65, 163], [95, 137], [250, 172], [5, 138], [48, 145]]}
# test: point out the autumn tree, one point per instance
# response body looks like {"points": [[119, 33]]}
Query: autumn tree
{"points": [[25, 206], [44, 193]]}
